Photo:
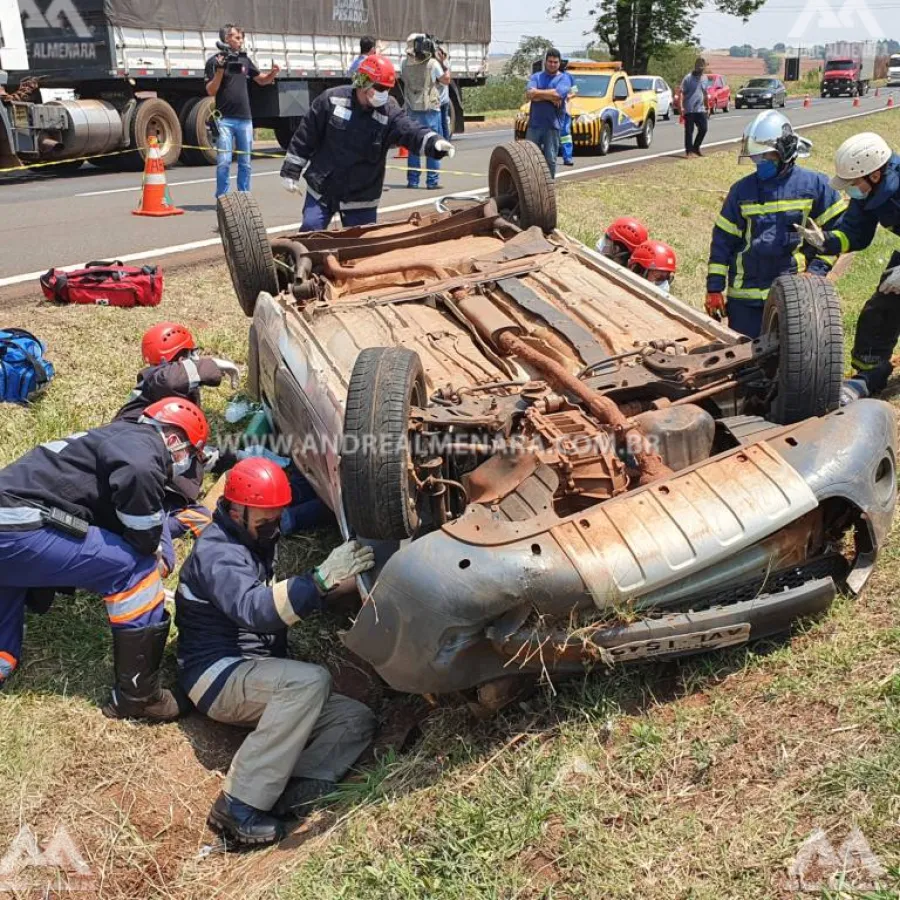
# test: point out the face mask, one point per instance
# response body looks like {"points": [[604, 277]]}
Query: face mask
{"points": [[766, 169], [378, 98], [664, 286], [179, 467], [856, 193], [268, 533]]}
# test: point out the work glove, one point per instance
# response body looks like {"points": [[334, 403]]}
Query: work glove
{"points": [[227, 367], [290, 184], [210, 458], [812, 235], [343, 562], [853, 389], [891, 284], [715, 305], [444, 148]]}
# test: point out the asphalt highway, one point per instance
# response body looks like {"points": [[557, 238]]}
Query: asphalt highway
{"points": [[64, 220]]}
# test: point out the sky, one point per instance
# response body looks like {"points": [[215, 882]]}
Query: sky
{"points": [[788, 21]]}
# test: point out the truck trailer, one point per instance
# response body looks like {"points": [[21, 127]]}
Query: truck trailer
{"points": [[849, 68], [137, 69]]}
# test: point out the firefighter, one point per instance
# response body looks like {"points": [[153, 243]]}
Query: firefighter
{"points": [[656, 262], [86, 511], [341, 147], [233, 621], [753, 240], [869, 171], [175, 368], [621, 238]]}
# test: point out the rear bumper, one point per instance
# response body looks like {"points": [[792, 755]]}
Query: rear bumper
{"points": [[441, 614]]}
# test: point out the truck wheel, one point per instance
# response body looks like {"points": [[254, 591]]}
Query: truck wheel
{"points": [[519, 180], [378, 495], [247, 248], [195, 115], [804, 311], [153, 117], [645, 138], [605, 139]]}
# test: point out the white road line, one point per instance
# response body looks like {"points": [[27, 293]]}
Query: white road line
{"points": [[211, 242], [127, 190]]}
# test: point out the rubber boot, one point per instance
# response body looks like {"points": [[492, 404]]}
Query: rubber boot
{"points": [[243, 824], [136, 694]]}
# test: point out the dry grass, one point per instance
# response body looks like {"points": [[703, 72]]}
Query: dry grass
{"points": [[691, 780]]}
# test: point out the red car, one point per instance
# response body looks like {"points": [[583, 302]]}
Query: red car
{"points": [[719, 94]]}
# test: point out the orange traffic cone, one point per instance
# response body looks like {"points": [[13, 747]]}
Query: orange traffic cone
{"points": [[154, 192], [402, 153], [807, 102], [890, 100], [856, 100]]}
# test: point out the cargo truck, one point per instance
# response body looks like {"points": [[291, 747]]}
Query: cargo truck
{"points": [[894, 70], [137, 69], [849, 67]]}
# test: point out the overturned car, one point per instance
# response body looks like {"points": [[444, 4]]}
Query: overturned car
{"points": [[557, 464]]}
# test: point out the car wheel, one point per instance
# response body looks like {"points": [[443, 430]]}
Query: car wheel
{"points": [[605, 139], [772, 103], [783, 101], [645, 138], [378, 496], [520, 181], [195, 116], [247, 248], [725, 107], [804, 312]]}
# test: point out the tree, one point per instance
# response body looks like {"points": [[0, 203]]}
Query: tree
{"points": [[673, 62], [773, 62], [779, 47], [635, 30], [530, 48]]}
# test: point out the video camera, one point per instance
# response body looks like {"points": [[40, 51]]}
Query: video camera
{"points": [[234, 59], [424, 47]]}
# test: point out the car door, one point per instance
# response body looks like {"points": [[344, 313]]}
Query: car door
{"points": [[663, 98], [623, 101]]}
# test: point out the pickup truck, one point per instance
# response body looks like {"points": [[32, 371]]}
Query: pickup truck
{"points": [[604, 107]]}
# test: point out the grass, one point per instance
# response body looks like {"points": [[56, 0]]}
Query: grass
{"points": [[697, 779]]}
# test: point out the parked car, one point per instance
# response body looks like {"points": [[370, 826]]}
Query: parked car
{"points": [[761, 92], [559, 466], [717, 90], [604, 107], [662, 89]]}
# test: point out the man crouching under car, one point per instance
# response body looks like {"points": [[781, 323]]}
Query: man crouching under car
{"points": [[342, 143], [233, 661]]}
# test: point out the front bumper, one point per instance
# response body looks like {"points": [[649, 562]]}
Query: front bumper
{"points": [[441, 614]]}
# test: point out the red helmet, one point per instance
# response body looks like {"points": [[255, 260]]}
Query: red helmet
{"points": [[379, 70], [258, 482], [628, 231], [184, 415], [652, 255], [163, 342]]}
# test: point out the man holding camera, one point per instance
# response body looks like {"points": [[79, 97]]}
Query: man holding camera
{"points": [[226, 80]]}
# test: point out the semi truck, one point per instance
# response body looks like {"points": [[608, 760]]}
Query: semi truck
{"points": [[849, 67], [135, 70], [894, 70]]}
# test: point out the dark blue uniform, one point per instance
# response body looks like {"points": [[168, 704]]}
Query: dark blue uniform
{"points": [[879, 322], [113, 478], [754, 240], [228, 609]]}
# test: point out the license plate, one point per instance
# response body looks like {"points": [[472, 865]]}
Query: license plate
{"points": [[713, 639]]}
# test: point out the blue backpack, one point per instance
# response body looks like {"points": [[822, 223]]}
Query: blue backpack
{"points": [[24, 372]]}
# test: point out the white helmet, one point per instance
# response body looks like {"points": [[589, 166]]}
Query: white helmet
{"points": [[859, 156], [770, 131]]}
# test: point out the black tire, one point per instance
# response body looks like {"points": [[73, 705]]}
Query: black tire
{"points": [[605, 139], [805, 313], [157, 118], [194, 117], [772, 103], [520, 181], [247, 248], [645, 138], [379, 502], [668, 115], [725, 108]]}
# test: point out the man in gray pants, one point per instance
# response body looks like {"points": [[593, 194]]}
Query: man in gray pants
{"points": [[232, 660]]}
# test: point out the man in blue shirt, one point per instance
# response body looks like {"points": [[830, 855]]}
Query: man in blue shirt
{"points": [[547, 92], [694, 107], [366, 48]]}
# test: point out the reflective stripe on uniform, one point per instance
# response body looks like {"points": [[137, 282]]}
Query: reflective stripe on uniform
{"points": [[717, 269], [190, 367], [193, 520], [845, 241], [865, 365], [358, 204], [828, 260], [19, 515], [739, 293], [283, 603], [728, 227], [294, 160], [425, 140], [775, 206], [140, 523], [129, 604], [207, 679], [832, 212], [380, 118], [7, 663], [739, 261]]}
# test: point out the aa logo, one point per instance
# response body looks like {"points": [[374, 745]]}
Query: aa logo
{"points": [[59, 867], [59, 14], [821, 14], [819, 866]]}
